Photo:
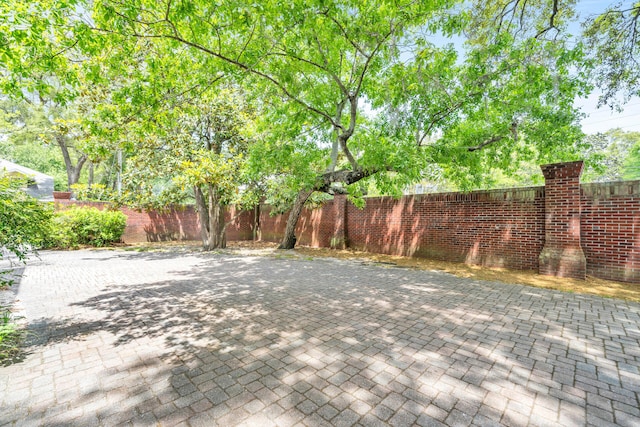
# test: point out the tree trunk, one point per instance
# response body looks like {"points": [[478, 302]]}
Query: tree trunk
{"points": [[90, 180], [74, 176], [211, 216], [257, 231], [73, 171], [216, 220], [289, 239], [201, 207]]}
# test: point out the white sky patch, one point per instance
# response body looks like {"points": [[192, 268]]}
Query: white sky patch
{"points": [[604, 118]]}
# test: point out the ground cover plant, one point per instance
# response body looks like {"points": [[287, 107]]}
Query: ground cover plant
{"points": [[11, 335]]}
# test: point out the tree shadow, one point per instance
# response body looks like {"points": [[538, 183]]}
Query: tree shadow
{"points": [[262, 341]]}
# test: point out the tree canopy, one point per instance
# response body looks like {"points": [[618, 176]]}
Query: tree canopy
{"points": [[347, 93], [614, 40]]}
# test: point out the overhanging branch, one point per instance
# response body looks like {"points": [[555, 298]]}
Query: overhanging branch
{"points": [[485, 143], [514, 133], [345, 176]]}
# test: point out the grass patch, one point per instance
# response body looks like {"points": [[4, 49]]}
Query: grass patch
{"points": [[11, 336]]}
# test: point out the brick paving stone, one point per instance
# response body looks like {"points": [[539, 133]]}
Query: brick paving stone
{"points": [[427, 421], [289, 418], [345, 418], [327, 412], [189, 338], [371, 421]]}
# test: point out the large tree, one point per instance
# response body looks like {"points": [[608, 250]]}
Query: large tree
{"points": [[357, 91], [361, 89], [33, 125], [198, 154]]}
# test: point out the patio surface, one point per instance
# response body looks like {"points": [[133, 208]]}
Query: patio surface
{"points": [[180, 338]]}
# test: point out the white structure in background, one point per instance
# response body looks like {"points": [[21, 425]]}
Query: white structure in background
{"points": [[40, 185]]}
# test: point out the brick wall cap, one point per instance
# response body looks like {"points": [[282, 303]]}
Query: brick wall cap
{"points": [[563, 170]]}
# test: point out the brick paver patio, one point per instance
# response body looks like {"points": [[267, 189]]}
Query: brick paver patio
{"points": [[127, 338]]}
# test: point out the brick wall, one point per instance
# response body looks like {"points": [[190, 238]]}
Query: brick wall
{"points": [[242, 226], [315, 227], [610, 224], [502, 228], [563, 229], [562, 254], [499, 228], [173, 223]]}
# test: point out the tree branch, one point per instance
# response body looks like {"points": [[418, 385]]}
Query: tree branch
{"points": [[552, 18], [241, 65], [333, 75], [244, 47], [336, 142], [485, 143], [514, 133], [345, 176], [344, 33]]}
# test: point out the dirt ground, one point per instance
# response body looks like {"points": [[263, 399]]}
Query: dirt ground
{"points": [[592, 285]]}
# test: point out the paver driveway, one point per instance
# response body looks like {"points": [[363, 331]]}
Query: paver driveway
{"points": [[205, 339]]}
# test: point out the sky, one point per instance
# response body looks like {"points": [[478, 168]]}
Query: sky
{"points": [[603, 118]]}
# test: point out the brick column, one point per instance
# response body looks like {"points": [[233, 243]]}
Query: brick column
{"points": [[339, 238], [562, 254]]}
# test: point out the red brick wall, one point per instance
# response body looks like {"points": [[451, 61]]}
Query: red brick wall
{"points": [[501, 228], [174, 223], [562, 254], [242, 226], [315, 227], [610, 225]]}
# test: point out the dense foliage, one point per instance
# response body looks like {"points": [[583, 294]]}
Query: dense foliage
{"points": [[611, 156], [23, 225], [27, 225], [613, 40], [85, 226]]}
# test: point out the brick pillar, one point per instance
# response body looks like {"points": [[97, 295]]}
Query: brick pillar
{"points": [[562, 254], [339, 238]]}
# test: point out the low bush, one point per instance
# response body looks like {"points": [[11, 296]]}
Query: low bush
{"points": [[24, 225], [86, 226], [97, 192], [11, 336]]}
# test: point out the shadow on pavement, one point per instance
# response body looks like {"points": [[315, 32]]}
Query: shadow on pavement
{"points": [[265, 341]]}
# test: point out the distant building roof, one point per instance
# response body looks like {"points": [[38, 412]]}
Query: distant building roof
{"points": [[40, 184]]}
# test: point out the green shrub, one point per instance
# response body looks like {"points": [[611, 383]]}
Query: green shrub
{"points": [[96, 192], [24, 224], [86, 226], [10, 337]]}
